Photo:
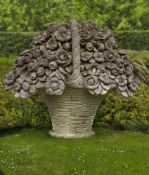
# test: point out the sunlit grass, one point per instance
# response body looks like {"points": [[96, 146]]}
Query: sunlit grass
{"points": [[33, 152]]}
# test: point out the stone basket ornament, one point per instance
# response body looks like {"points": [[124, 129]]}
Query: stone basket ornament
{"points": [[72, 66]]}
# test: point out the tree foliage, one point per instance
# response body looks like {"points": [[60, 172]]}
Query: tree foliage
{"points": [[34, 15]]}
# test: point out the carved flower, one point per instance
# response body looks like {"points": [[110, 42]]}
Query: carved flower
{"points": [[55, 86], [52, 44], [85, 35], [121, 80], [133, 83], [63, 58], [92, 84], [110, 65], [53, 65], [40, 71], [106, 77], [102, 34], [44, 62], [101, 46], [49, 55], [67, 46], [110, 56], [33, 75], [92, 69], [36, 52], [129, 69], [85, 56], [26, 56], [111, 43], [91, 26], [99, 57], [33, 66], [121, 51], [9, 78], [19, 62], [42, 78], [63, 34], [52, 27], [43, 36], [89, 46], [17, 86], [26, 86]]}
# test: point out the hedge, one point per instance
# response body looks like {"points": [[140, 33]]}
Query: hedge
{"points": [[115, 112], [133, 40], [15, 42], [125, 114], [16, 113]]}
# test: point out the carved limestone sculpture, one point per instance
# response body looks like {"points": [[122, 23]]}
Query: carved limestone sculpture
{"points": [[72, 66]]}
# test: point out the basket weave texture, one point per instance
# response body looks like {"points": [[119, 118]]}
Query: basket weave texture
{"points": [[72, 113]]}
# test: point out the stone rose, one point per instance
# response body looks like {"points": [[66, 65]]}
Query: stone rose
{"points": [[85, 56], [26, 56], [26, 86], [102, 34], [43, 36], [89, 46], [106, 77], [52, 44], [36, 52], [33, 75], [17, 86], [133, 83], [53, 27], [40, 71], [63, 58], [44, 62], [93, 85], [111, 43], [99, 57], [129, 69], [110, 56], [9, 78], [63, 34], [33, 66], [91, 82], [93, 68], [55, 86], [49, 55], [121, 80], [53, 65], [85, 35], [67, 46], [101, 46], [110, 65]]}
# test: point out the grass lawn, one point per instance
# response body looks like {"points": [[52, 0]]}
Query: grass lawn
{"points": [[33, 152]]}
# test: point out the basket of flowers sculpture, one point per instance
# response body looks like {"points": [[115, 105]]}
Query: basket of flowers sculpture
{"points": [[72, 66]]}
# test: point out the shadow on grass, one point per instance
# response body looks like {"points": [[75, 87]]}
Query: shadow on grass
{"points": [[6, 132]]}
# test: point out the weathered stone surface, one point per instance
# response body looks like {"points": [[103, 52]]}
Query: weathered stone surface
{"points": [[72, 113], [72, 66], [83, 54]]}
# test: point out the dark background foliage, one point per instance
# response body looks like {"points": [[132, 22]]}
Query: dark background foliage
{"points": [[34, 15]]}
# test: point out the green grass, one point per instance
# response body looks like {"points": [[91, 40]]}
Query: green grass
{"points": [[33, 152]]}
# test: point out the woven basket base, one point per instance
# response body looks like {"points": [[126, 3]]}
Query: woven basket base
{"points": [[72, 113], [69, 135]]}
